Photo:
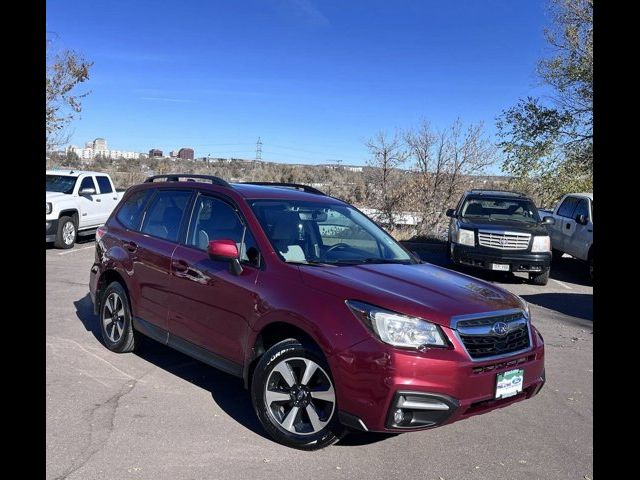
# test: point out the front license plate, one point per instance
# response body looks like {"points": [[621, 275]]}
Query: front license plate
{"points": [[509, 383], [500, 266]]}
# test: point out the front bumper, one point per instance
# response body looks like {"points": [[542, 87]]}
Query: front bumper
{"points": [[52, 230], [484, 257], [440, 385]]}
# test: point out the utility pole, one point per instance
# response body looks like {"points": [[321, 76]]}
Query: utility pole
{"points": [[259, 149]]}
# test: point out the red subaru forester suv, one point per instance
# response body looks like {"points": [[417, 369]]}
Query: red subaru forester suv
{"points": [[332, 324]]}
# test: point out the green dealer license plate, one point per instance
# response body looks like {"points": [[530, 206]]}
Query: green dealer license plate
{"points": [[509, 383]]}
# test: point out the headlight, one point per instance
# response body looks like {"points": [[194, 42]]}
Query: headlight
{"points": [[49, 208], [541, 244], [396, 329], [465, 237]]}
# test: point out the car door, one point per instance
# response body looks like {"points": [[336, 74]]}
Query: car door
{"points": [[566, 222], [212, 306], [88, 203], [577, 244], [106, 197], [151, 250]]}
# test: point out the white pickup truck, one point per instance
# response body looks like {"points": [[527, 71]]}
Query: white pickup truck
{"points": [[572, 232], [78, 202]]}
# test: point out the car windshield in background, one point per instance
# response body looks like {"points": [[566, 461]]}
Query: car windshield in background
{"points": [[519, 210], [60, 183], [317, 233]]}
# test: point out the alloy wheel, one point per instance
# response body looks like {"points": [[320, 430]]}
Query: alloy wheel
{"points": [[113, 317], [299, 396], [68, 233]]}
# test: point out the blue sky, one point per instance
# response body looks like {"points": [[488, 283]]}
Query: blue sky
{"points": [[313, 78]]}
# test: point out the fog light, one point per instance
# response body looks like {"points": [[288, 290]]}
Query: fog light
{"points": [[398, 416]]}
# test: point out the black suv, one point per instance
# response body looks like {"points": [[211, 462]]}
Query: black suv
{"points": [[503, 231]]}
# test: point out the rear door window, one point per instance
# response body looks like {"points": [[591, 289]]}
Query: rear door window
{"points": [[104, 184], [164, 215], [582, 209], [568, 206]]}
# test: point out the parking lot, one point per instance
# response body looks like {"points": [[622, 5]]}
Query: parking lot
{"points": [[158, 414]]}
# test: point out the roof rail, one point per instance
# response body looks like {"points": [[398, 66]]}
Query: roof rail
{"points": [[494, 191], [175, 177], [296, 186]]}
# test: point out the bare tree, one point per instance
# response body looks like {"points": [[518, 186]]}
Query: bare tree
{"points": [[443, 163], [383, 177], [65, 71]]}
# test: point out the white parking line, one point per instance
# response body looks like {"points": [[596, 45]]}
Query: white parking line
{"points": [[562, 284], [77, 250]]}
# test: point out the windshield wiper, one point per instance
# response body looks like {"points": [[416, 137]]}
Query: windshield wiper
{"points": [[360, 261], [314, 263]]}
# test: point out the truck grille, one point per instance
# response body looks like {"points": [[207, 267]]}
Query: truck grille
{"points": [[504, 240], [481, 340]]}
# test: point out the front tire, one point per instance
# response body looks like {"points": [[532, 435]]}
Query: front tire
{"points": [[294, 398], [67, 233], [541, 278], [115, 319]]}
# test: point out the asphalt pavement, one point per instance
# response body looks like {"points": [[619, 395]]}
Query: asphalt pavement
{"points": [[159, 414]]}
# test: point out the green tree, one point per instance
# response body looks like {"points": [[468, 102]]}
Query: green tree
{"points": [[548, 145], [65, 71]]}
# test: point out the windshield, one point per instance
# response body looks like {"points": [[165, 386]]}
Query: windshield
{"points": [[317, 233], [60, 183], [513, 209]]}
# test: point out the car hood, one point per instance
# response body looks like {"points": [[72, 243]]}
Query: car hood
{"points": [[52, 196], [511, 225], [421, 290]]}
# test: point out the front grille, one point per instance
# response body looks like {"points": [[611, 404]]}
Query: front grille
{"points": [[504, 241], [482, 340]]}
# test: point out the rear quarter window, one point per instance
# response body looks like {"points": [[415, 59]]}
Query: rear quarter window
{"points": [[130, 214]]}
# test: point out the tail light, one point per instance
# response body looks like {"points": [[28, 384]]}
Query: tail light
{"points": [[100, 232]]}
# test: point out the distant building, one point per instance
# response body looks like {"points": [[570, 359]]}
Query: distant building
{"points": [[98, 148], [155, 153], [173, 154], [185, 153]]}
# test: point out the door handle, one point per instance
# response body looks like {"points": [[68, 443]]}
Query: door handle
{"points": [[98, 200], [115, 198], [180, 266], [131, 246], [568, 226]]}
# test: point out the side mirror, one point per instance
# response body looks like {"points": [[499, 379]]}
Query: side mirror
{"points": [[88, 191], [582, 219], [228, 251], [451, 213], [548, 220]]}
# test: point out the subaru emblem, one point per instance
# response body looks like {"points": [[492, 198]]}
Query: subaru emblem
{"points": [[500, 329]]}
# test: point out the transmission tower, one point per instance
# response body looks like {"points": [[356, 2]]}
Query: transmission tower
{"points": [[259, 149]]}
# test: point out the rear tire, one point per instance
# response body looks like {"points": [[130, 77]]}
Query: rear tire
{"points": [[541, 278], [115, 319], [66, 234], [285, 403]]}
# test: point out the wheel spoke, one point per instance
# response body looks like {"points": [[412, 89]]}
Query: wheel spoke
{"points": [[316, 423], [117, 302], [290, 419], [108, 306], [120, 326], [310, 369], [113, 332], [284, 369], [327, 395], [272, 396]]}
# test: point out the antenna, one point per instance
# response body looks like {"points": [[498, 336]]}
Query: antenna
{"points": [[259, 149]]}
